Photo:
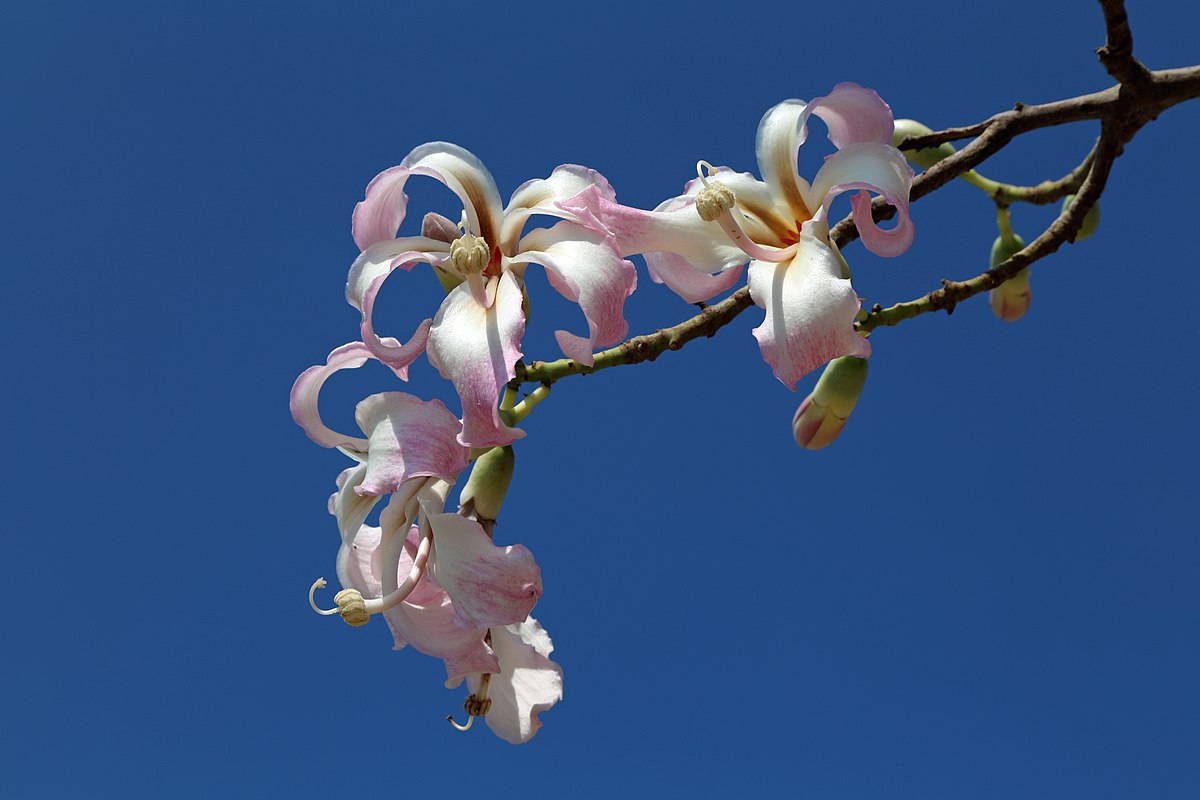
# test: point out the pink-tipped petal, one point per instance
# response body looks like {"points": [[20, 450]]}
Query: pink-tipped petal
{"points": [[477, 349], [673, 227], [547, 196], [379, 215], [408, 437], [489, 585], [852, 114], [869, 167], [307, 389], [687, 282], [426, 619], [528, 683], [583, 268], [367, 274], [810, 309]]}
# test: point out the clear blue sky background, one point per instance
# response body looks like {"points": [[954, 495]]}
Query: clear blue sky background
{"points": [[985, 589]]}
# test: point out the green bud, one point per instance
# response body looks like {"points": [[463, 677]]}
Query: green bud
{"points": [[488, 483], [1010, 300], [823, 414], [1003, 249], [926, 157], [1091, 220]]}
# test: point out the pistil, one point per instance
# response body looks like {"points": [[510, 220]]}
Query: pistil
{"points": [[716, 203], [476, 705]]}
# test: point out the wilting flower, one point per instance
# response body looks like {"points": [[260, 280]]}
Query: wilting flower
{"points": [[474, 338], [781, 223]]}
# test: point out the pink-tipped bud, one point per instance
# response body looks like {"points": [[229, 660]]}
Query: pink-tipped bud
{"points": [[823, 414], [1010, 300]]}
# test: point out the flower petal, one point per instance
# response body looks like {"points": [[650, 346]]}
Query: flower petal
{"points": [[853, 114], [544, 196], [780, 134], [426, 619], [379, 215], [307, 389], [348, 506], [810, 309], [477, 348], [869, 167], [584, 268], [489, 585], [408, 437], [367, 274], [672, 228], [528, 683]]}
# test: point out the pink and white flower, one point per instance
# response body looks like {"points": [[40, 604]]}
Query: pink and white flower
{"points": [[412, 455], [474, 338], [695, 243]]}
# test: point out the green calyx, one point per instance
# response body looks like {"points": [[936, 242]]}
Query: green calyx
{"points": [[840, 385], [490, 477]]}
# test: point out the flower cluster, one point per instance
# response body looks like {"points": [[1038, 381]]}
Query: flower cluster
{"points": [[438, 578]]}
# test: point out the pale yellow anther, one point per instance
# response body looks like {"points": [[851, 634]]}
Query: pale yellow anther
{"points": [[469, 254], [714, 200], [352, 607]]}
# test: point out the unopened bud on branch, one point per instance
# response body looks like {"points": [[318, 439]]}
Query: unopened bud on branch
{"points": [[926, 157], [823, 413], [1010, 300]]}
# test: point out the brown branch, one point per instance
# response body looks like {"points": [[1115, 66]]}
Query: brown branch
{"points": [[1117, 53]]}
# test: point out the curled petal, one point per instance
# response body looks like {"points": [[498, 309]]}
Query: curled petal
{"points": [[477, 348], [307, 389], [780, 134], [378, 216], [869, 167], [528, 683], [810, 309], [489, 585], [853, 114], [367, 274], [408, 437], [552, 196], [583, 268]]}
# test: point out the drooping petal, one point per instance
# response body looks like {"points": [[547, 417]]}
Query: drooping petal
{"points": [[367, 274], [528, 683], [408, 437], [853, 114], [477, 348], [307, 389], [546, 196], [672, 228], [489, 584], [348, 506], [426, 619], [869, 167], [810, 309], [584, 268], [378, 216]]}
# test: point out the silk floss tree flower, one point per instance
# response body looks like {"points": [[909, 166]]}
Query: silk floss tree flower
{"points": [[474, 338], [695, 243], [437, 578]]}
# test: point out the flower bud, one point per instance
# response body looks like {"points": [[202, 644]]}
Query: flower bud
{"points": [[823, 414], [926, 157], [488, 483], [1010, 300], [1091, 220]]}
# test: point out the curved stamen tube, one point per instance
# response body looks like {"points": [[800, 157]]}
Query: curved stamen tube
{"points": [[733, 230], [376, 605], [319, 583]]}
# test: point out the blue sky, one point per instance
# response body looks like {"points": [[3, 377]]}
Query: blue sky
{"points": [[985, 588]]}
